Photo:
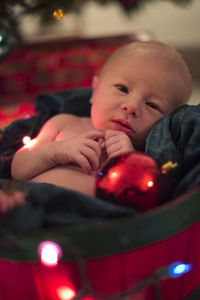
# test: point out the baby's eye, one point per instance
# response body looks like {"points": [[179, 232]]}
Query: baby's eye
{"points": [[122, 88], [152, 105]]}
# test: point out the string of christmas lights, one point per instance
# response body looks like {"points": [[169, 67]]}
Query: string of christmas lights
{"points": [[50, 253]]}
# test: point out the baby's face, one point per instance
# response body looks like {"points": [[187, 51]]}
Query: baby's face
{"points": [[139, 90]]}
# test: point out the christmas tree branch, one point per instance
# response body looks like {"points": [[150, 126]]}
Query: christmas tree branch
{"points": [[45, 8]]}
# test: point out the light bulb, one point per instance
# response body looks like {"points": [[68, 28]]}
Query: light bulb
{"points": [[178, 268], [150, 183], [50, 253], [26, 140], [65, 293]]}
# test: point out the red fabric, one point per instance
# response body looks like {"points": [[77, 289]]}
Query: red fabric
{"points": [[55, 65], [12, 112]]}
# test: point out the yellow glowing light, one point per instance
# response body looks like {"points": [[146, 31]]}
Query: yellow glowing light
{"points": [[150, 183], [168, 166], [65, 293], [58, 14]]}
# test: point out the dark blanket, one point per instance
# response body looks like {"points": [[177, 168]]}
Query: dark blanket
{"points": [[174, 138]]}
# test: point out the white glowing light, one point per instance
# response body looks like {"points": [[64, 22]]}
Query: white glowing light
{"points": [[26, 140], [65, 293], [50, 253]]}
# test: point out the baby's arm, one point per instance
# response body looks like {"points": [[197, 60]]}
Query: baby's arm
{"points": [[84, 150], [34, 158], [45, 152]]}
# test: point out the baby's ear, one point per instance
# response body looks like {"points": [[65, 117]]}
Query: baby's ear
{"points": [[95, 80]]}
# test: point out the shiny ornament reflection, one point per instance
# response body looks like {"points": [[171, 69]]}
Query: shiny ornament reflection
{"points": [[130, 180]]}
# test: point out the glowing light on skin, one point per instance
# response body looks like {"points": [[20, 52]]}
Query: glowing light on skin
{"points": [[49, 253], [65, 293], [178, 268], [28, 142]]}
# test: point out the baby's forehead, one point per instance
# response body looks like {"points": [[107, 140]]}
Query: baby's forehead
{"points": [[149, 49], [156, 53]]}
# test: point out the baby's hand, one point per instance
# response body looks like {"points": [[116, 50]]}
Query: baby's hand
{"points": [[85, 150], [117, 143]]}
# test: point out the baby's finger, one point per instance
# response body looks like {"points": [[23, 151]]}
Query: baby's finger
{"points": [[92, 157], [100, 140], [111, 132], [113, 149], [94, 146], [94, 134], [112, 140], [84, 164], [103, 145]]}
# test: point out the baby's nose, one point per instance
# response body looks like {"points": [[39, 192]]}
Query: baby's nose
{"points": [[132, 108]]}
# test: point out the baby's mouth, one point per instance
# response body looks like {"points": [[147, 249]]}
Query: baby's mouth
{"points": [[124, 126]]}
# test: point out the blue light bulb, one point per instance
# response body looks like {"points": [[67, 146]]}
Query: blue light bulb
{"points": [[178, 268]]}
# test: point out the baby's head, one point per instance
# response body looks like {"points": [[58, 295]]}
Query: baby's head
{"points": [[140, 83]]}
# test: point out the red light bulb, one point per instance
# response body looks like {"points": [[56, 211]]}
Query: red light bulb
{"points": [[50, 253]]}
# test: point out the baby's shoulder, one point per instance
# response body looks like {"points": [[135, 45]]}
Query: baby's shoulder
{"points": [[65, 123], [64, 117], [64, 120]]}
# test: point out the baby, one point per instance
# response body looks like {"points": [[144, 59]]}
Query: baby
{"points": [[138, 85]]}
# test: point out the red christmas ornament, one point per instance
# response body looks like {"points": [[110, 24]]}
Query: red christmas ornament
{"points": [[130, 180]]}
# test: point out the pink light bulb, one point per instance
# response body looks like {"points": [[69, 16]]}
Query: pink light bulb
{"points": [[50, 253]]}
